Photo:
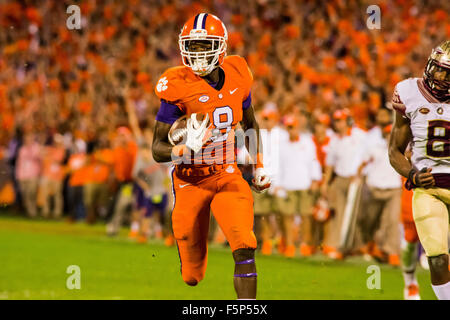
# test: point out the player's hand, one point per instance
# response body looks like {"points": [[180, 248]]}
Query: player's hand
{"points": [[262, 181], [196, 132], [422, 178]]}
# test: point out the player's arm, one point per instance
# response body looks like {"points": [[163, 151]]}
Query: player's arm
{"points": [[400, 137], [249, 123], [162, 150], [262, 181]]}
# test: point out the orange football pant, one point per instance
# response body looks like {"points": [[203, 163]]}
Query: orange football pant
{"points": [[229, 197]]}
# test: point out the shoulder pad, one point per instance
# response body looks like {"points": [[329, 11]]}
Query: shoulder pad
{"points": [[397, 99], [171, 84], [240, 65]]}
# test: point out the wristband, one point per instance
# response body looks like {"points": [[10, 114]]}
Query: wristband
{"points": [[411, 176]]}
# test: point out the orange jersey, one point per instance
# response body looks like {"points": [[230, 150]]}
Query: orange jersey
{"points": [[224, 104]]}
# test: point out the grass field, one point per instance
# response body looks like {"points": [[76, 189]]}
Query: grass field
{"points": [[34, 256]]}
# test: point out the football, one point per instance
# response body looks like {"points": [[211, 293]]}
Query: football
{"points": [[178, 131]]}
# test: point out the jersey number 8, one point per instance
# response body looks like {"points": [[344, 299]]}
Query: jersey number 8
{"points": [[438, 145], [222, 119]]}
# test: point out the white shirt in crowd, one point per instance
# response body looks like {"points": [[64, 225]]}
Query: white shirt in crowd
{"points": [[379, 172], [344, 152], [270, 140], [298, 164]]}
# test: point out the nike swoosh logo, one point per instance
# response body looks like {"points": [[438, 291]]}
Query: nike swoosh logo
{"points": [[232, 91], [184, 185]]}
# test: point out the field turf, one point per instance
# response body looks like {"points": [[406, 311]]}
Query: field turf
{"points": [[34, 256]]}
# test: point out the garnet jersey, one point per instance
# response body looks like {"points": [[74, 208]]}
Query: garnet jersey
{"points": [[224, 103], [429, 122]]}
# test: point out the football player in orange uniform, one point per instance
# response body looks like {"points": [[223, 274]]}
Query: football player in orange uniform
{"points": [[207, 177]]}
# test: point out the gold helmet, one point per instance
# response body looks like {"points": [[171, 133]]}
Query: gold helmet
{"points": [[437, 72]]}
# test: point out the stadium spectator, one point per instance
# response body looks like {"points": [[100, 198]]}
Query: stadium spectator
{"points": [[342, 162], [299, 175], [265, 204], [28, 170], [7, 194], [76, 168], [52, 177], [96, 190], [322, 134], [379, 220], [124, 149]]}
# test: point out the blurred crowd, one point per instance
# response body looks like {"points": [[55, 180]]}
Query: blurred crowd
{"points": [[77, 106]]}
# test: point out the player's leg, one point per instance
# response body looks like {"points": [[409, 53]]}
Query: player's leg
{"points": [[125, 199], [245, 276], [409, 248], [233, 208], [190, 223], [339, 189], [288, 206], [409, 260], [262, 206], [159, 206], [388, 233], [58, 199], [307, 223], [431, 218]]}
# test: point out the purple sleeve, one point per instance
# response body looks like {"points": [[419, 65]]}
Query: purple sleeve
{"points": [[168, 113], [247, 102]]}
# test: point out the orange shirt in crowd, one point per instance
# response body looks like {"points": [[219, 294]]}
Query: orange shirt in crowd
{"points": [[99, 169], [77, 166], [53, 168], [124, 158]]}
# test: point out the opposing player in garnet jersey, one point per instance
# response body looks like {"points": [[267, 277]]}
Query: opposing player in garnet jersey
{"points": [[207, 177], [423, 116]]}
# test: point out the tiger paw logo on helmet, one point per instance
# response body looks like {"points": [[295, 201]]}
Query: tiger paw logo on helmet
{"points": [[162, 84]]}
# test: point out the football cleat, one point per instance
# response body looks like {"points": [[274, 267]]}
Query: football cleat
{"points": [[203, 43], [411, 292]]}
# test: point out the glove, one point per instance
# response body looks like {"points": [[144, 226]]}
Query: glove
{"points": [[422, 178], [196, 132], [262, 181]]}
